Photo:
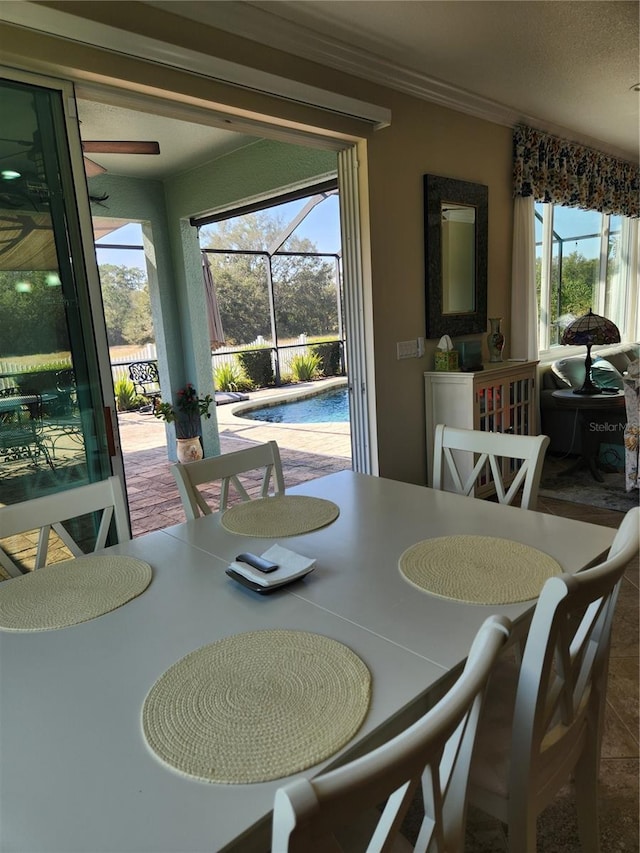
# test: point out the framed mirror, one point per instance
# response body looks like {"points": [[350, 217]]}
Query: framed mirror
{"points": [[456, 237]]}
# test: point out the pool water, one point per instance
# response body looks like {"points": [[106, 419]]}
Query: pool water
{"points": [[328, 406]]}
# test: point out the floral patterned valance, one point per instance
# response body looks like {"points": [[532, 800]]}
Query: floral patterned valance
{"points": [[562, 172]]}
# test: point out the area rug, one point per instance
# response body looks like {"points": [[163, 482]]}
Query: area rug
{"points": [[580, 487]]}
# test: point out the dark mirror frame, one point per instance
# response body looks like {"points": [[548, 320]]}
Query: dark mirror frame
{"points": [[436, 191]]}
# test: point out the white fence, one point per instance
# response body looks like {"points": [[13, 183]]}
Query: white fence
{"points": [[223, 355], [120, 366], [9, 368]]}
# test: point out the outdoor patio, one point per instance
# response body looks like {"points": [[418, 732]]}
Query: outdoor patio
{"points": [[307, 450]]}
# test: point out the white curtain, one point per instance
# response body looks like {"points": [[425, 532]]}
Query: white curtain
{"points": [[629, 283], [524, 309]]}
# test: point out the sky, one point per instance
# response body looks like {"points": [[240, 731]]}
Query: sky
{"points": [[571, 222], [321, 226]]}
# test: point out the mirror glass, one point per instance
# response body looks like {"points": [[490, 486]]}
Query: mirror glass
{"points": [[458, 258], [456, 215]]}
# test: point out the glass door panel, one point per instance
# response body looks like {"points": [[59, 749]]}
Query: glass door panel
{"points": [[52, 430]]}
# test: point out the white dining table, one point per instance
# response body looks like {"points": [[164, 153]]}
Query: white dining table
{"points": [[76, 775]]}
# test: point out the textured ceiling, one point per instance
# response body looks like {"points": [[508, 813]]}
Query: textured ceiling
{"points": [[182, 144], [562, 64]]}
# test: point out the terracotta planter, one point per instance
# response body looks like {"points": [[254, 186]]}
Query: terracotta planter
{"points": [[188, 449]]}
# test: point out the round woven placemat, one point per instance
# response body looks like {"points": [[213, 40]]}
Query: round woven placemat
{"points": [[478, 569], [71, 592], [257, 706], [282, 515]]}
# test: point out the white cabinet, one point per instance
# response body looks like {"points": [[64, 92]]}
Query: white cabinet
{"points": [[500, 398]]}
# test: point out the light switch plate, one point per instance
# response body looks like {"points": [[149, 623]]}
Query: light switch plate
{"points": [[407, 349]]}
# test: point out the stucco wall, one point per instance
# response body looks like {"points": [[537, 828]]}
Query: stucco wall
{"points": [[423, 138]]}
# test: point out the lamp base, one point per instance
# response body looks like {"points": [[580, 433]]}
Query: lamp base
{"points": [[587, 386], [588, 389]]}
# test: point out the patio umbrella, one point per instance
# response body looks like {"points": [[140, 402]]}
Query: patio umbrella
{"points": [[216, 332]]}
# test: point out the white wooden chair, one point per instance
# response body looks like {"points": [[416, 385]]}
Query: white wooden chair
{"points": [[543, 723], [226, 468], [510, 462], [331, 812], [50, 511]]}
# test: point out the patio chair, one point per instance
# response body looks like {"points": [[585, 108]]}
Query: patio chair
{"points": [[66, 421], [71, 506], [337, 811], [542, 723], [146, 382], [226, 469], [22, 427], [507, 461]]}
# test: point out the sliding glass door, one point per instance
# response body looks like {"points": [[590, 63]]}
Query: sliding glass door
{"points": [[52, 417]]}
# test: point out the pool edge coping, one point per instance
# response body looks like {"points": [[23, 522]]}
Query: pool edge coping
{"points": [[289, 395]]}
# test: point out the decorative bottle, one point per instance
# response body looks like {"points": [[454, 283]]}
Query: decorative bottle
{"points": [[495, 339]]}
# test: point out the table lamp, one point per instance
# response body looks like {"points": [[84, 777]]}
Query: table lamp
{"points": [[585, 331]]}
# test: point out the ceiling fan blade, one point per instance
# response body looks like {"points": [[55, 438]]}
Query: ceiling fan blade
{"points": [[92, 168], [120, 147]]}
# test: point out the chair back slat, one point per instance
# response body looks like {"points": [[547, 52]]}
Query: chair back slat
{"points": [[317, 814], [544, 720], [51, 512], [510, 464], [226, 469]]}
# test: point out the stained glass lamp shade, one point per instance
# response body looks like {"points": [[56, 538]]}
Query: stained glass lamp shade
{"points": [[586, 331]]}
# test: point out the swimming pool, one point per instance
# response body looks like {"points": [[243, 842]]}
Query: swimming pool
{"points": [[328, 406]]}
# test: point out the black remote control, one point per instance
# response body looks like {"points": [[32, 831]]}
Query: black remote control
{"points": [[256, 562]]}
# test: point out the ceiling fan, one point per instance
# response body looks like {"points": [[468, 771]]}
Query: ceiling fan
{"points": [[113, 147], [28, 149]]}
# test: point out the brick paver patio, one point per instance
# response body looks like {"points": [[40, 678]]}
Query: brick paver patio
{"points": [[307, 451]]}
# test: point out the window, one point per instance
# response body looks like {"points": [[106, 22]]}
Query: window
{"points": [[579, 266]]}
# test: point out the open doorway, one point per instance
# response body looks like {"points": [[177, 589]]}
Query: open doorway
{"points": [[311, 445]]}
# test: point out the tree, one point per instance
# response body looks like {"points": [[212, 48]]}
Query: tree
{"points": [[579, 276], [127, 307], [574, 294], [304, 289], [32, 314]]}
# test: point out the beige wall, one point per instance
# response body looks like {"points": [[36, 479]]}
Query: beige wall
{"points": [[423, 138]]}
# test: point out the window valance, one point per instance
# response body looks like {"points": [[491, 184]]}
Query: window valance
{"points": [[555, 170]]}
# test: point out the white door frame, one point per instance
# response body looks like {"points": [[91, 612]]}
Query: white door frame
{"points": [[351, 183]]}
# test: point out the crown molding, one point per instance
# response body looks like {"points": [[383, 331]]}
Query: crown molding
{"points": [[256, 21], [249, 20], [71, 27]]}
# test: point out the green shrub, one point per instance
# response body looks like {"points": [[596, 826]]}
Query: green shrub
{"points": [[229, 376], [55, 366], [125, 393], [305, 366], [330, 354], [256, 364]]}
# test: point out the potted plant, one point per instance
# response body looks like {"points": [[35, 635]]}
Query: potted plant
{"points": [[186, 415]]}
